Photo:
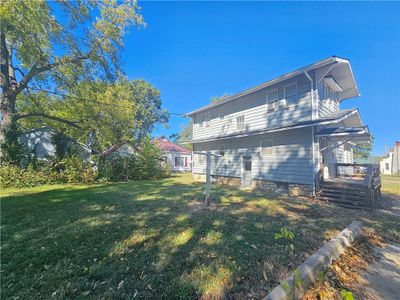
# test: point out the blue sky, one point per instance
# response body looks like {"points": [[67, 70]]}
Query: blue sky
{"points": [[192, 51]]}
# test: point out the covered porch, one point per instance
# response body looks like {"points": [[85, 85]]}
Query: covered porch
{"points": [[339, 179]]}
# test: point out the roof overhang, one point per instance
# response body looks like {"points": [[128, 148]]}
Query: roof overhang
{"points": [[357, 135], [341, 72], [340, 121]]}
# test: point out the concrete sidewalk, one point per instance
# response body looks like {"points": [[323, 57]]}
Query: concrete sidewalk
{"points": [[383, 274]]}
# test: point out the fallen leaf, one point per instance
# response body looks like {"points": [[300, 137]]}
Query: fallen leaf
{"points": [[120, 284], [265, 276]]}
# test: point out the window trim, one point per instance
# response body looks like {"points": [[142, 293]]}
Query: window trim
{"points": [[236, 123], [273, 148], [275, 102], [297, 94], [222, 146]]}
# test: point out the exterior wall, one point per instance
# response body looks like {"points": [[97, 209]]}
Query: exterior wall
{"points": [[291, 161], [40, 143], [170, 155], [387, 161], [221, 120], [341, 154]]}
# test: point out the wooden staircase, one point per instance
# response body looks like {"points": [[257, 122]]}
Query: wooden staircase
{"points": [[351, 191]]}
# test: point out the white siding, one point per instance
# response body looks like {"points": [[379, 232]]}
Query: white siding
{"points": [[325, 106], [222, 119], [291, 161]]}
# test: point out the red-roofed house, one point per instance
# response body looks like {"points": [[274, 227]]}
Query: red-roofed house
{"points": [[179, 157]]}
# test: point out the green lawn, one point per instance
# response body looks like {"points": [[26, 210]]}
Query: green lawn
{"points": [[391, 184], [153, 239]]}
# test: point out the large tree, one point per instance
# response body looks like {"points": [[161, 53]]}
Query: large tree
{"points": [[56, 45], [103, 113]]}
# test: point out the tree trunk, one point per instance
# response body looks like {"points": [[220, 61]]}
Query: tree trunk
{"points": [[7, 111]]}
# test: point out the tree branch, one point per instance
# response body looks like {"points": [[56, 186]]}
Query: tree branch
{"points": [[43, 115], [35, 70]]}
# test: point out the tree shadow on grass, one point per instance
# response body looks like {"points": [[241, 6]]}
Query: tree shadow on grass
{"points": [[143, 239]]}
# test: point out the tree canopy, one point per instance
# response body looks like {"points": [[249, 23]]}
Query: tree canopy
{"points": [[57, 45], [101, 113]]}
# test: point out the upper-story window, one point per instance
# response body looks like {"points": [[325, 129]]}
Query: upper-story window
{"points": [[208, 118], [330, 96], [272, 100], [200, 119], [291, 94], [240, 123]]}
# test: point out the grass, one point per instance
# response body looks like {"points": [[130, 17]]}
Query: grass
{"points": [[154, 239], [391, 184]]}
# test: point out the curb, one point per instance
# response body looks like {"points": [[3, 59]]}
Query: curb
{"points": [[295, 285]]}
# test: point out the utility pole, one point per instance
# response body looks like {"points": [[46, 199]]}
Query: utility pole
{"points": [[207, 200]]}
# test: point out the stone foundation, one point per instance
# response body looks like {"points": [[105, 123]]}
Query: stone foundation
{"points": [[294, 189], [300, 189], [264, 185]]}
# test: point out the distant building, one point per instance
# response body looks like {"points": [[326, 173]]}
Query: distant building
{"points": [[40, 143], [390, 164], [178, 157], [118, 151]]}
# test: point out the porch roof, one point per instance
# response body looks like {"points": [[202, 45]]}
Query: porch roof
{"points": [[342, 118], [356, 135]]}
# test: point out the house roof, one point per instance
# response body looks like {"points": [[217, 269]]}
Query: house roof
{"points": [[332, 118], [349, 86], [112, 149], [165, 145]]}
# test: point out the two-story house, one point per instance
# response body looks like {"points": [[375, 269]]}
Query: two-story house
{"points": [[278, 134]]}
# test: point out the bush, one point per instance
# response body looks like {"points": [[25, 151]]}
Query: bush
{"points": [[68, 170], [144, 164]]}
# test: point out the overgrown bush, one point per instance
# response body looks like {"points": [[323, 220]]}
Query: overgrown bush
{"points": [[67, 170], [146, 163]]}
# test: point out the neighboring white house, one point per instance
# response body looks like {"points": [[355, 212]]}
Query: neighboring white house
{"points": [[178, 157], [40, 143], [390, 164], [278, 134]]}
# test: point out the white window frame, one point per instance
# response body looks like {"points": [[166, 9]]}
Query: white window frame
{"points": [[200, 119], [261, 148], [297, 94], [274, 105], [236, 123], [207, 118]]}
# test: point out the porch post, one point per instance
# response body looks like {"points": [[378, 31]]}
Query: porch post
{"points": [[208, 178]]}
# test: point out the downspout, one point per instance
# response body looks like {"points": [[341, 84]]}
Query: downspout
{"points": [[312, 134]]}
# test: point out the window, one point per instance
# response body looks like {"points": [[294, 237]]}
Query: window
{"points": [[180, 161], [240, 123], [272, 100], [387, 166], [267, 148], [291, 96], [222, 150], [200, 119], [208, 118], [221, 113]]}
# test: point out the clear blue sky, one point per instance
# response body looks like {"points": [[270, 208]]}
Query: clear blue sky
{"points": [[192, 51]]}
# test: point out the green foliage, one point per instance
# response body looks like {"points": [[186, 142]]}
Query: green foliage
{"points": [[145, 164], [284, 233], [217, 99], [60, 141], [67, 170], [287, 236], [127, 110], [12, 150], [364, 150], [347, 295]]}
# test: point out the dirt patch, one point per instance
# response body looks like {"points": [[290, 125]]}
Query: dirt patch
{"points": [[344, 275]]}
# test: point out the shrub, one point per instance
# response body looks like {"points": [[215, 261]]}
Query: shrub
{"points": [[144, 164], [68, 170]]}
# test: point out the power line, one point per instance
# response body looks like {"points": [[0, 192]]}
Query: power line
{"points": [[92, 100]]}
